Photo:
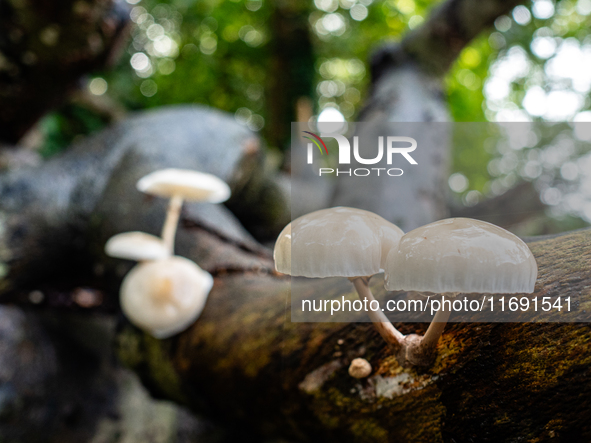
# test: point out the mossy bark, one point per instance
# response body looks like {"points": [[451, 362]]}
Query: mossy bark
{"points": [[244, 361]]}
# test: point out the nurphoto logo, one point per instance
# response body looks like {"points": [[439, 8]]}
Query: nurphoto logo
{"points": [[394, 145]]}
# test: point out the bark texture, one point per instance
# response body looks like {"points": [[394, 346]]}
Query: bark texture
{"points": [[292, 62], [244, 361], [58, 379], [60, 384]]}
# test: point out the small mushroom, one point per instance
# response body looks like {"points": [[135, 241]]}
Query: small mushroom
{"points": [[359, 368], [137, 246], [341, 242], [452, 256], [180, 185], [164, 297]]}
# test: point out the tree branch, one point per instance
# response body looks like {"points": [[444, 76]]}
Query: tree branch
{"points": [[514, 206], [244, 361], [436, 44], [56, 218], [407, 87]]}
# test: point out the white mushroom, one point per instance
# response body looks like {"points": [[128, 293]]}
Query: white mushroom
{"points": [[359, 368], [458, 255], [180, 185], [137, 246], [164, 297], [340, 242]]}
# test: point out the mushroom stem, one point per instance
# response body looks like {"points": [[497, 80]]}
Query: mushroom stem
{"points": [[389, 333], [435, 329], [172, 220], [420, 351]]}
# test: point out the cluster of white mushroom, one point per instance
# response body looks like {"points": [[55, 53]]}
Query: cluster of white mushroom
{"points": [[164, 294], [448, 257]]}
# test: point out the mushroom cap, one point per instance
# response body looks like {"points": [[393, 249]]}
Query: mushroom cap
{"points": [[191, 185], [335, 242], [461, 255], [136, 246], [359, 368], [166, 296]]}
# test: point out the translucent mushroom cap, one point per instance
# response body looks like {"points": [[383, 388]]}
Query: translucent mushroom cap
{"points": [[335, 242], [165, 297], [136, 246], [461, 255], [191, 185]]}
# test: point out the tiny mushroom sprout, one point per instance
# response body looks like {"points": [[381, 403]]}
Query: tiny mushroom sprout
{"points": [[137, 246], [180, 185], [164, 297], [341, 242], [453, 256], [359, 368]]}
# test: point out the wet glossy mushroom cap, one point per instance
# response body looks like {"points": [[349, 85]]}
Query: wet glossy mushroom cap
{"points": [[282, 251], [191, 185], [136, 246], [461, 255], [335, 242], [164, 297]]}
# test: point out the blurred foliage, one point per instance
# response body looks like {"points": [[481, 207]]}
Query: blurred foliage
{"points": [[221, 53], [235, 55], [210, 52], [556, 157], [535, 66], [62, 128]]}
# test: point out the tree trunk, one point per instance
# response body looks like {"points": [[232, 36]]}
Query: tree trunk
{"points": [[244, 361], [517, 205], [60, 384], [407, 86], [55, 219], [292, 65], [45, 49]]}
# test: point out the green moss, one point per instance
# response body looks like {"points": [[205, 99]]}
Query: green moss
{"points": [[548, 357], [347, 403], [129, 349], [150, 358], [161, 368], [368, 430]]}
